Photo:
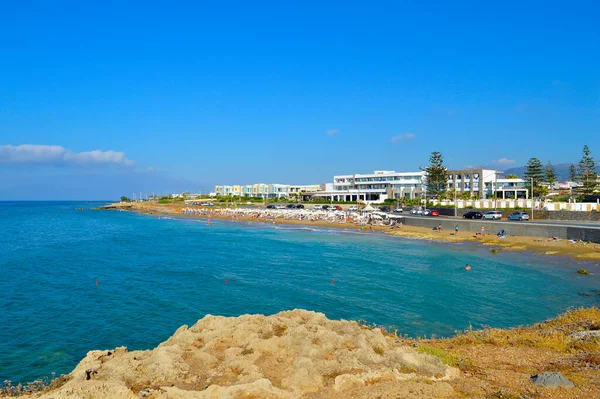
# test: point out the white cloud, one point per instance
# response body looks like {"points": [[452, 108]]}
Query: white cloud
{"points": [[504, 161], [403, 137], [57, 155], [333, 132]]}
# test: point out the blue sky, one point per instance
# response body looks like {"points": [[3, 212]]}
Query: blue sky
{"points": [[161, 96]]}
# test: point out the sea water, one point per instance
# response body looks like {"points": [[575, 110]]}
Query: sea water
{"points": [[74, 279]]}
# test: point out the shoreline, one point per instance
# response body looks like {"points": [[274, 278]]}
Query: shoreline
{"points": [[580, 251]]}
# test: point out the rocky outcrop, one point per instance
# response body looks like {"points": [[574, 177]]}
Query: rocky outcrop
{"points": [[294, 354]]}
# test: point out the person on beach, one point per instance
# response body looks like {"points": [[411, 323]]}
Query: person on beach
{"points": [[456, 230], [482, 231]]}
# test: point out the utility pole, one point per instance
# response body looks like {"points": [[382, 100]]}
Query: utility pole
{"points": [[532, 198], [455, 205]]}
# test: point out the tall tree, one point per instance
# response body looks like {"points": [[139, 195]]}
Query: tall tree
{"points": [[587, 172], [572, 173], [550, 173], [436, 174], [535, 171]]}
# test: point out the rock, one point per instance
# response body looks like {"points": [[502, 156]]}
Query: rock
{"points": [[585, 335], [294, 354], [551, 379]]}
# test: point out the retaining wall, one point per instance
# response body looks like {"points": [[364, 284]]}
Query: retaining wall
{"points": [[510, 228]]}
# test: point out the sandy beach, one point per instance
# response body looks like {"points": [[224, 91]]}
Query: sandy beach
{"points": [[561, 247]]}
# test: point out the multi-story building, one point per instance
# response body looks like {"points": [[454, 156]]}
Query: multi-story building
{"points": [[265, 190], [483, 183], [479, 182], [511, 189], [375, 187]]}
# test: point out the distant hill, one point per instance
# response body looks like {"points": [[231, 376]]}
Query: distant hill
{"points": [[561, 170]]}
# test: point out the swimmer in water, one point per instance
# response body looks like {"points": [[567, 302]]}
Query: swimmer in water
{"points": [[467, 267]]}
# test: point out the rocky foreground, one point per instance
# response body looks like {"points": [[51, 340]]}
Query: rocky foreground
{"points": [[302, 354], [294, 354]]}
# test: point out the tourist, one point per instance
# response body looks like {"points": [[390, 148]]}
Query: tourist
{"points": [[456, 230], [467, 267]]}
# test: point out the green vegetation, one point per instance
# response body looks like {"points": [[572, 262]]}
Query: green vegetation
{"points": [[441, 354], [572, 173], [437, 176], [550, 173], [534, 174], [125, 199], [587, 172]]}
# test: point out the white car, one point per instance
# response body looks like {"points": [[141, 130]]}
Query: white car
{"points": [[318, 207], [425, 212], [493, 215], [414, 211], [280, 206], [398, 210], [352, 208]]}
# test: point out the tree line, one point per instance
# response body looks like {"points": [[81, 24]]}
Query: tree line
{"points": [[535, 174], [585, 173]]}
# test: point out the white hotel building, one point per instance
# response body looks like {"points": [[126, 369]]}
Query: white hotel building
{"points": [[386, 184], [375, 187]]}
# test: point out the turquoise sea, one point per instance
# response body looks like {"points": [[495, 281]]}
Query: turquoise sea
{"points": [[155, 274]]}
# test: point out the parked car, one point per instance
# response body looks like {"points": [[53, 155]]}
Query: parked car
{"points": [[473, 215], [425, 212], [318, 207], [325, 207], [271, 206], [338, 208], [414, 211], [291, 206], [520, 216], [385, 209], [494, 215], [281, 206], [434, 213], [299, 206], [398, 210], [352, 208]]}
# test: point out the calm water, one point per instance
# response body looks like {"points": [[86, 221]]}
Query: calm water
{"points": [[155, 275]]}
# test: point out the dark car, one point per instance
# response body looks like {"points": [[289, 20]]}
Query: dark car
{"points": [[271, 206], [325, 207], [385, 209], [291, 206], [473, 215], [299, 206]]}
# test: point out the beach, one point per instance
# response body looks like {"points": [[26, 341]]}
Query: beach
{"points": [[561, 247]]}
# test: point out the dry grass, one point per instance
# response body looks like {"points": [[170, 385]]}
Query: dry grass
{"points": [[505, 359], [552, 334]]}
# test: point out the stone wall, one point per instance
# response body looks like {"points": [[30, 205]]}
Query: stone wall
{"points": [[513, 228]]}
